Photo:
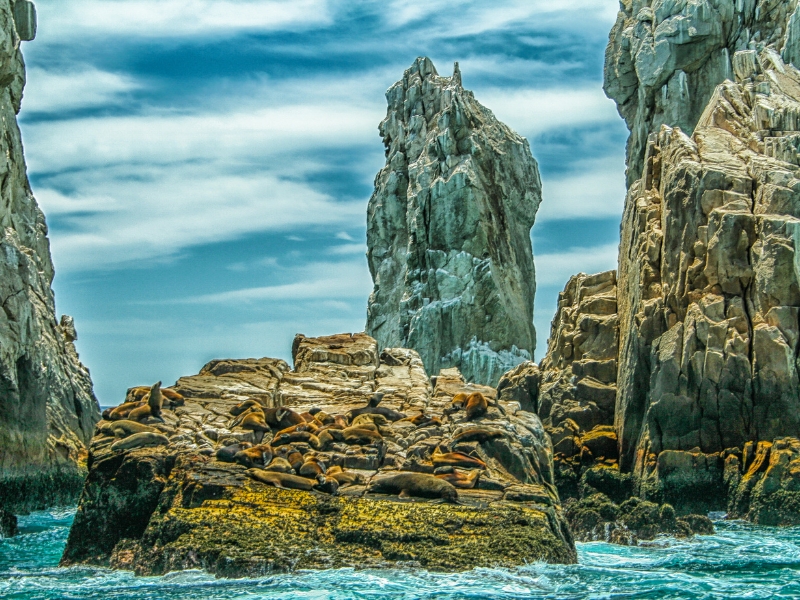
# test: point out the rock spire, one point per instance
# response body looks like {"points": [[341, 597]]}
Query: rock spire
{"points": [[448, 230]]}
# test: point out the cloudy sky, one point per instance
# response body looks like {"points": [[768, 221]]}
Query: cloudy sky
{"points": [[205, 165]]}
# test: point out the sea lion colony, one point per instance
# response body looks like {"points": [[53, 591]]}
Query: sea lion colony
{"points": [[317, 450]]}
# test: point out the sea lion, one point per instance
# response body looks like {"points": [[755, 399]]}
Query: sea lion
{"points": [[260, 456], [286, 417], [279, 465], [477, 434], [459, 400], [122, 411], [328, 485], [174, 398], [311, 427], [135, 394], [455, 459], [322, 416], [155, 401], [369, 419], [254, 421], [228, 453], [281, 480], [476, 406], [144, 439], [346, 478], [423, 420], [124, 428], [243, 406], [325, 439], [459, 479], [334, 469], [419, 485], [305, 437], [360, 437], [311, 468]]}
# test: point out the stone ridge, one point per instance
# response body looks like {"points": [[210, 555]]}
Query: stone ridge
{"points": [[665, 58], [47, 407], [448, 231], [175, 502]]}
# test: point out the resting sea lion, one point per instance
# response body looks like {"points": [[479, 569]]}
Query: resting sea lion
{"points": [[243, 406], [311, 468], [423, 420], [260, 456], [286, 417], [476, 406], [369, 419], [477, 434], [327, 485], [124, 428], [325, 439], [281, 480], [135, 394], [297, 436], [322, 416], [175, 398], [279, 465], [122, 411], [155, 401], [311, 427], [228, 453], [144, 439], [346, 478], [420, 485], [459, 479], [360, 437], [254, 421], [455, 459]]}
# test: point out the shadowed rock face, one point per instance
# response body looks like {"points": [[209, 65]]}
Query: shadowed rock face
{"points": [[709, 286], [665, 58], [47, 407], [448, 231], [180, 505]]}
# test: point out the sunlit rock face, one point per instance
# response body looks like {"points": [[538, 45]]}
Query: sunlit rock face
{"points": [[47, 407], [665, 58], [709, 285], [448, 231]]}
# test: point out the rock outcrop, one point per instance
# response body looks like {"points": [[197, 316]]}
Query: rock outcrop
{"points": [[47, 406], [709, 288], [665, 58], [178, 501], [448, 231]]}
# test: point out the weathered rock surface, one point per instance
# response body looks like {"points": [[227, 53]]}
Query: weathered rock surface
{"points": [[47, 406], [665, 58], [178, 506], [448, 231], [708, 288]]}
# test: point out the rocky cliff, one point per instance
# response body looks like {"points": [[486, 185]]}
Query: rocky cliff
{"points": [[177, 497], [666, 57], [47, 407], [448, 231]]}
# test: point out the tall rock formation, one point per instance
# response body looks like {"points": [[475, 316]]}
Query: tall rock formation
{"points": [[448, 230], [47, 407], [666, 57]]}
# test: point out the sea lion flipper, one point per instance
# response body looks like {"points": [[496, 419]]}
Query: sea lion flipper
{"points": [[404, 494]]}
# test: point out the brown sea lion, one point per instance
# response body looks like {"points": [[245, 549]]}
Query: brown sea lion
{"points": [[323, 417], [328, 485], [419, 485], [459, 400], [281, 480], [456, 459], [477, 434], [476, 406], [243, 406], [311, 427], [368, 419], [461, 480], [254, 421], [144, 439], [346, 478], [122, 411], [295, 458], [124, 428], [325, 439], [280, 465], [423, 420], [361, 437], [228, 453], [175, 398], [257, 456], [155, 401], [305, 437], [311, 468], [286, 417], [135, 394]]}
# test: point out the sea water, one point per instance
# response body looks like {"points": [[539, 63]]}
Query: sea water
{"points": [[739, 561]]}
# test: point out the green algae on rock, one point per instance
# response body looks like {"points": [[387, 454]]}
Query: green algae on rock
{"points": [[176, 506]]}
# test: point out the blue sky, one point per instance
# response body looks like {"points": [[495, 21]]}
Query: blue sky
{"points": [[205, 165]]}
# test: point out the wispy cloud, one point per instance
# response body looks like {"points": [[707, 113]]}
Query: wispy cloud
{"points": [[82, 86], [591, 189]]}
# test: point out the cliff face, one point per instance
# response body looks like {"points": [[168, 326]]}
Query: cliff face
{"points": [[665, 58], [710, 286], [47, 407], [174, 501], [448, 231]]}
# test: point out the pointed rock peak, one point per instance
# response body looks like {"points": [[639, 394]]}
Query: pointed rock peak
{"points": [[456, 74], [424, 66]]}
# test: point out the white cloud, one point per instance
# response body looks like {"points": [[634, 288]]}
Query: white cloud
{"points": [[176, 18], [349, 249], [81, 86], [556, 268], [591, 189]]}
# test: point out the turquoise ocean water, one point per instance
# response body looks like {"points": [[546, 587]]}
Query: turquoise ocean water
{"points": [[740, 561]]}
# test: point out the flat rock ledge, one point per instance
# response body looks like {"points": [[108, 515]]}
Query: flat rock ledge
{"points": [[176, 506]]}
